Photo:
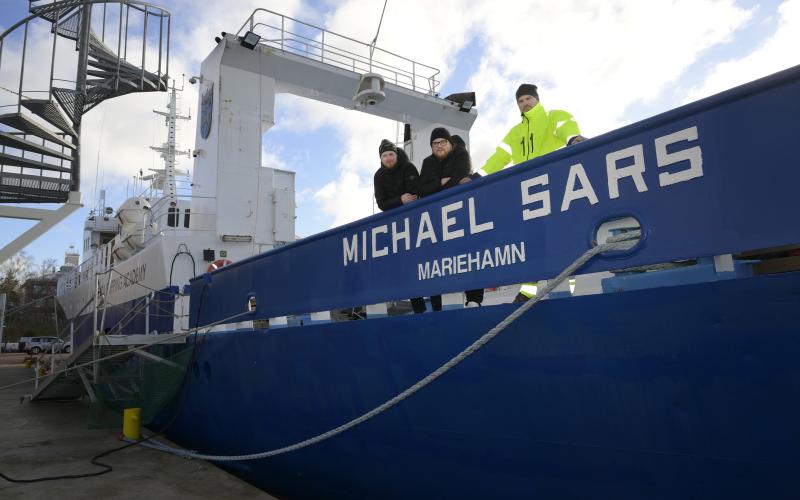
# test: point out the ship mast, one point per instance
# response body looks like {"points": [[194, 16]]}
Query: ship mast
{"points": [[168, 149]]}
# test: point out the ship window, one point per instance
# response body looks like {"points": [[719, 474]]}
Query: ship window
{"points": [[172, 217], [186, 218]]}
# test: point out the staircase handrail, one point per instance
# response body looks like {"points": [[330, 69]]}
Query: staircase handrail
{"points": [[133, 3], [162, 12]]}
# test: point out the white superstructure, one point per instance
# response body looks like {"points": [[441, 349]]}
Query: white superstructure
{"points": [[238, 207], [150, 242]]}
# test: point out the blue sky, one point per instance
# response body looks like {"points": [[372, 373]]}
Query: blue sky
{"points": [[609, 63]]}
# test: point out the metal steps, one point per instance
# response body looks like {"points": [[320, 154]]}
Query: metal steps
{"points": [[77, 382], [18, 142], [112, 68], [71, 102], [25, 124], [46, 9], [20, 161], [18, 187], [68, 385], [68, 24], [49, 111]]}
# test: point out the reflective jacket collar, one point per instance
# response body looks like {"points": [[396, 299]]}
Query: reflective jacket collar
{"points": [[534, 113]]}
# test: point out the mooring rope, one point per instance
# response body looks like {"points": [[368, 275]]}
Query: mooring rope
{"points": [[624, 241]]}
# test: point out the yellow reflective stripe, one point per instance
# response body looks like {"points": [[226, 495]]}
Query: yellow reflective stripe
{"points": [[528, 290], [505, 147]]}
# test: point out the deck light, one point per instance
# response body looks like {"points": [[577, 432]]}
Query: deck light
{"points": [[250, 40], [465, 100]]}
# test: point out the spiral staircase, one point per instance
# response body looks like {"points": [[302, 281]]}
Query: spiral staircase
{"points": [[96, 50]]}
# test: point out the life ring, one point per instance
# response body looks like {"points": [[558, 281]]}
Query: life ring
{"points": [[217, 264]]}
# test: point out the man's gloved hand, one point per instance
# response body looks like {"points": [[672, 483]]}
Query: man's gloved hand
{"points": [[576, 140], [470, 177]]}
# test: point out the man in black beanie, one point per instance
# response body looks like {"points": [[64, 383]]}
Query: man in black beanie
{"points": [[396, 180], [396, 183], [447, 165]]}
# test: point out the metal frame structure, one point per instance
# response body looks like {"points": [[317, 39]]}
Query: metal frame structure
{"points": [[46, 220], [40, 129], [286, 33]]}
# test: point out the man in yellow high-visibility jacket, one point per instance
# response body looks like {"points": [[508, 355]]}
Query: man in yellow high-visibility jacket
{"points": [[540, 132]]}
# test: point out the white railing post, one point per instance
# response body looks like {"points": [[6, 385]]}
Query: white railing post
{"points": [[283, 30]]}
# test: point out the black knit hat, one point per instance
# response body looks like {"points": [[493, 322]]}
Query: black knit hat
{"points": [[440, 133], [527, 89], [386, 145]]}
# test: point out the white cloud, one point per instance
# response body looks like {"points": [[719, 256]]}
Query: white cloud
{"points": [[347, 199], [777, 53], [593, 60]]}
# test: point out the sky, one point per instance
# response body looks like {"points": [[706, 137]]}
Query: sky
{"points": [[609, 63]]}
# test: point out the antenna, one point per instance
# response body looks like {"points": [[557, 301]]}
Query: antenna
{"points": [[370, 88], [97, 164], [375, 40], [168, 149]]}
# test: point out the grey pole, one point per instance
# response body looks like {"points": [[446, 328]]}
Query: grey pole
{"points": [[55, 314], [2, 314]]}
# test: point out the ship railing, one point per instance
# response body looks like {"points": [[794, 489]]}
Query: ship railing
{"points": [[98, 262], [49, 361], [312, 42]]}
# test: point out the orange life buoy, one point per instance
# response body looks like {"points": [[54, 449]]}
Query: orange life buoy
{"points": [[217, 264]]}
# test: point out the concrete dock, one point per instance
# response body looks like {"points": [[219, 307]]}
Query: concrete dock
{"points": [[51, 438]]}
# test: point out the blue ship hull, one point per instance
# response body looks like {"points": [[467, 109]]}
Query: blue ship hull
{"points": [[676, 392]]}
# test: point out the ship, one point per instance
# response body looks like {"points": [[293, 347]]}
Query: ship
{"points": [[668, 369]]}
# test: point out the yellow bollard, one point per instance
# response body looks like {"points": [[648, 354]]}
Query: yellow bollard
{"points": [[132, 423]]}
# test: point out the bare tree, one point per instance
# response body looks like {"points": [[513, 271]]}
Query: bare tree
{"points": [[14, 272], [48, 266], [18, 268]]}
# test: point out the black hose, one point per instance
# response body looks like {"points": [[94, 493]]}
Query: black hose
{"points": [[182, 252]]}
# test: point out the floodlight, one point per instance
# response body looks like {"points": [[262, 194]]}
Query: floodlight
{"points": [[250, 40]]}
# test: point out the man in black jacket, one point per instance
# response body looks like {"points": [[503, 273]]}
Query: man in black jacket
{"points": [[396, 183], [447, 165], [396, 179]]}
